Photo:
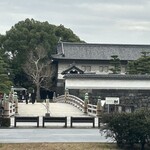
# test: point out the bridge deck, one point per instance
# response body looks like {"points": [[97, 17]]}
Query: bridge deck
{"points": [[56, 109]]}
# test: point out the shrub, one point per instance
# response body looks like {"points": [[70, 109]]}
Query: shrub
{"points": [[128, 129], [4, 122]]}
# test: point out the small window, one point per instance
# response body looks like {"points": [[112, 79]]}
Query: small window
{"points": [[100, 68], [105, 69], [86, 68], [123, 69], [83, 68]]}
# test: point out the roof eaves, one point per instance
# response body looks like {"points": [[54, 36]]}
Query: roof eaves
{"points": [[109, 76]]}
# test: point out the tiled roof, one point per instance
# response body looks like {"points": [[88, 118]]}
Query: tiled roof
{"points": [[86, 51], [109, 76]]}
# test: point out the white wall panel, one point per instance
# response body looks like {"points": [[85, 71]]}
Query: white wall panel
{"points": [[106, 84]]}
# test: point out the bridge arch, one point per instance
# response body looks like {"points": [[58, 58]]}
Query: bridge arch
{"points": [[79, 103]]}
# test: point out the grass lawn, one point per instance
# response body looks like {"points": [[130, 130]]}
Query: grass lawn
{"points": [[58, 146]]}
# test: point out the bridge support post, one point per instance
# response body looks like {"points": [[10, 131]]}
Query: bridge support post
{"points": [[86, 99], [66, 94], [99, 108], [16, 102], [47, 107], [6, 106]]}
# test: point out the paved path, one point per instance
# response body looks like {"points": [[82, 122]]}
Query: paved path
{"points": [[50, 135], [25, 134]]}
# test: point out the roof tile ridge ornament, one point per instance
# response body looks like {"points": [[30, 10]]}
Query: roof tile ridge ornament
{"points": [[62, 46], [73, 64]]}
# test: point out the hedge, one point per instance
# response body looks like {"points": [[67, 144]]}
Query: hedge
{"points": [[4, 122], [128, 128]]}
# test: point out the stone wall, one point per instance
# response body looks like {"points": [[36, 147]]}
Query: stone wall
{"points": [[137, 98]]}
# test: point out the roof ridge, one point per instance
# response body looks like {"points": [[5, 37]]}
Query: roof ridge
{"points": [[111, 44], [112, 76]]}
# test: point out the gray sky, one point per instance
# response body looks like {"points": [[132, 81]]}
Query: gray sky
{"points": [[94, 21]]}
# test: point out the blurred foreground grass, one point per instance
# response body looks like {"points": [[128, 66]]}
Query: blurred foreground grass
{"points": [[58, 146]]}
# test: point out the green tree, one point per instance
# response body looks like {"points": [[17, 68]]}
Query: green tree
{"points": [[116, 64], [66, 35], [5, 83], [25, 36], [141, 65], [3, 53]]}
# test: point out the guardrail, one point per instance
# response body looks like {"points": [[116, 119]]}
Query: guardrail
{"points": [[79, 103]]}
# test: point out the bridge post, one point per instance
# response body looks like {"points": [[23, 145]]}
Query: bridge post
{"points": [[99, 107], [54, 96], [86, 99], [16, 102], [6, 106], [66, 94], [47, 107]]}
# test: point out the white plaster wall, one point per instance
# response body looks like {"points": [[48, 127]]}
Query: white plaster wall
{"points": [[61, 68], [107, 84], [94, 68], [64, 66]]}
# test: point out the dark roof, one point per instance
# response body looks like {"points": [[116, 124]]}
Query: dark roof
{"points": [[19, 89], [109, 76], [71, 69], [86, 51]]}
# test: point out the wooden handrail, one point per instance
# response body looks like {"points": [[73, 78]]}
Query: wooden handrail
{"points": [[77, 102]]}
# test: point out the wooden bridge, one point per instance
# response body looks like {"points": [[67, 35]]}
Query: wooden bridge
{"points": [[84, 106]]}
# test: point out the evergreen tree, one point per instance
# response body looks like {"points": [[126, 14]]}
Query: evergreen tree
{"points": [[140, 66], [25, 36], [5, 83], [116, 64]]}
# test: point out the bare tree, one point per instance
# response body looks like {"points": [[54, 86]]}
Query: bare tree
{"points": [[38, 68]]}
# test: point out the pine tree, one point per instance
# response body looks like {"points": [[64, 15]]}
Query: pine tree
{"points": [[116, 64], [5, 83], [141, 65]]}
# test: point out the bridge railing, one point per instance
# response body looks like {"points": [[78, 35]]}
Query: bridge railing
{"points": [[59, 98], [92, 109], [77, 102], [9, 109]]}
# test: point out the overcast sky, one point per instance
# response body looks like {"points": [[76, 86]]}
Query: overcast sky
{"points": [[94, 21]]}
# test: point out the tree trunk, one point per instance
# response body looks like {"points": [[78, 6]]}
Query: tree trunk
{"points": [[37, 92], [143, 146]]}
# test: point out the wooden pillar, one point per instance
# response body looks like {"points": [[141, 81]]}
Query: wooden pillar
{"points": [[47, 107], [99, 108], [86, 99], [16, 102], [66, 94], [6, 109]]}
